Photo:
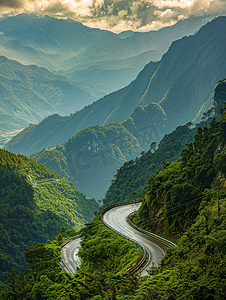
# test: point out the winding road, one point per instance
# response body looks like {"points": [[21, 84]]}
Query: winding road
{"points": [[116, 219], [70, 261]]}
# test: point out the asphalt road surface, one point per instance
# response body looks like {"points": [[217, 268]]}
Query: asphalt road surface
{"points": [[70, 261], [116, 218]]}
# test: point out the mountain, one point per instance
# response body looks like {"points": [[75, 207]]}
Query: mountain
{"points": [[131, 179], [29, 93], [54, 39], [98, 151], [113, 73], [35, 202], [185, 202], [68, 47], [92, 156], [180, 85], [110, 59]]}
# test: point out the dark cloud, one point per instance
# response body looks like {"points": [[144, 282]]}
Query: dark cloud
{"points": [[11, 3], [118, 15]]}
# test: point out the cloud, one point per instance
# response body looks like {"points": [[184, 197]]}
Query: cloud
{"points": [[118, 15], [15, 4]]}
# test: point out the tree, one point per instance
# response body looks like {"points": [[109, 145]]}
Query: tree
{"points": [[153, 146], [133, 194]]}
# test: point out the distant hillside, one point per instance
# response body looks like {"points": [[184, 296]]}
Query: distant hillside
{"points": [[115, 62], [44, 41], [131, 179], [184, 202], [92, 156], [34, 203], [29, 93], [180, 84], [83, 53]]}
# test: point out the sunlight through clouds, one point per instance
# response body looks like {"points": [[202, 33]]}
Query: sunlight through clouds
{"points": [[118, 15]]}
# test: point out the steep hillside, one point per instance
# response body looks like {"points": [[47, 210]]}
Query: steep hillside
{"points": [[186, 76], [131, 178], [92, 156], [116, 62], [35, 202], [29, 93], [113, 144], [83, 53], [55, 129], [195, 269], [181, 186], [178, 84]]}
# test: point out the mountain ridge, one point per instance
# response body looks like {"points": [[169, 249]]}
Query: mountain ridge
{"points": [[155, 84]]}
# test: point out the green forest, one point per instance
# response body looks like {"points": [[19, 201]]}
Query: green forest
{"points": [[35, 203], [133, 175], [107, 258], [185, 202], [131, 179]]}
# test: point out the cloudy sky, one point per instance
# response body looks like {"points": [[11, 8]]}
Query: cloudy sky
{"points": [[117, 15]]}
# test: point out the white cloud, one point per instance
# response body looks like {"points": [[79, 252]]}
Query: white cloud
{"points": [[118, 15]]}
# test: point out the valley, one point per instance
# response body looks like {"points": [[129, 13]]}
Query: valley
{"points": [[108, 135]]}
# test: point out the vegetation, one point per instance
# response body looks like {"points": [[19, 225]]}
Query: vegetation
{"points": [[196, 269], [29, 214], [178, 188], [91, 157], [106, 257], [185, 201], [133, 175], [63, 199]]}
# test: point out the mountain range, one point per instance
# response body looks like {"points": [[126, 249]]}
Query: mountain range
{"points": [[29, 93], [83, 53], [179, 85], [91, 157], [127, 133]]}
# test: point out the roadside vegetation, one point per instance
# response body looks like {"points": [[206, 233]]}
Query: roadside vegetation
{"points": [[34, 213], [106, 258], [184, 202]]}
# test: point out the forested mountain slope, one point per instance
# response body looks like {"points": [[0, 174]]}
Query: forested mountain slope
{"points": [[83, 53], [186, 202], [131, 179], [92, 156], [29, 93], [180, 187], [175, 82], [30, 213]]}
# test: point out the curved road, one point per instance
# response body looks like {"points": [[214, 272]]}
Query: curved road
{"points": [[70, 260], [116, 218]]}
